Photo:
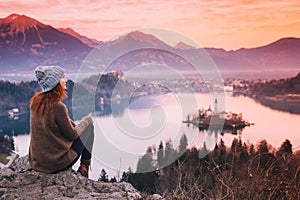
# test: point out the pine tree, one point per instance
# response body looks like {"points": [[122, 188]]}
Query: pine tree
{"points": [[285, 149], [222, 152], [169, 153], [103, 176], [263, 147], [203, 151], [127, 176], [252, 150], [113, 180], [183, 144], [145, 163], [145, 177], [265, 158], [124, 177], [160, 155], [244, 156], [234, 145]]}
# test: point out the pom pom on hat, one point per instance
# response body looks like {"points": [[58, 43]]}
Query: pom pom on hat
{"points": [[48, 76]]}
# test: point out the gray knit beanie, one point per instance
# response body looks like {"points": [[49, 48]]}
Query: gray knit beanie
{"points": [[48, 76]]}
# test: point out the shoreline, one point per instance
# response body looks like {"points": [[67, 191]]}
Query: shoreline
{"points": [[284, 104], [289, 103]]}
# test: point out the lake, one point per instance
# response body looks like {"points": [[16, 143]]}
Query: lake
{"points": [[122, 139]]}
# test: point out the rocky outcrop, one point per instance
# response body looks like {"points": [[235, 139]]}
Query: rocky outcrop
{"points": [[19, 181]]}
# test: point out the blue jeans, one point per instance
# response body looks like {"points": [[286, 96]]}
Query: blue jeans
{"points": [[83, 146]]}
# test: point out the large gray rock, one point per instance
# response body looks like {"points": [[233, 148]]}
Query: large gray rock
{"points": [[19, 181]]}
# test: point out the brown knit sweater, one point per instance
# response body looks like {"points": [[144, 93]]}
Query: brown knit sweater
{"points": [[51, 137]]}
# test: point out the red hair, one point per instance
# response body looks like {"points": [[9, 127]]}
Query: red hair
{"points": [[42, 101]]}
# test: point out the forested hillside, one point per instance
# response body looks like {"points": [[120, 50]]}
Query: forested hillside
{"points": [[277, 87], [17, 95], [14, 95], [283, 94]]}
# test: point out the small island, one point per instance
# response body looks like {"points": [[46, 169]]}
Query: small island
{"points": [[218, 120]]}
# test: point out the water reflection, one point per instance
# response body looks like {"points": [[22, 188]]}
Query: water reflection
{"points": [[20, 124], [224, 130], [263, 117], [13, 126]]}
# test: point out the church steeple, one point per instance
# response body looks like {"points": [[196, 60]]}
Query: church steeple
{"points": [[216, 111]]}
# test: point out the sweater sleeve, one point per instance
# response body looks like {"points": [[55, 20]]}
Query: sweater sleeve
{"points": [[65, 124], [83, 124]]}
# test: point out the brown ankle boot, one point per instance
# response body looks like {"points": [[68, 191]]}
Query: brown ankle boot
{"points": [[84, 170]]}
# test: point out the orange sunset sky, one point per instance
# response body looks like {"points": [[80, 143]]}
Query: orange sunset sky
{"points": [[228, 24]]}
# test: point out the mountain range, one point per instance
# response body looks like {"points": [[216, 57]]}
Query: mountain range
{"points": [[26, 43]]}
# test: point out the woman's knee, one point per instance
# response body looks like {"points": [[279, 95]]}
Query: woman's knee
{"points": [[91, 131]]}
